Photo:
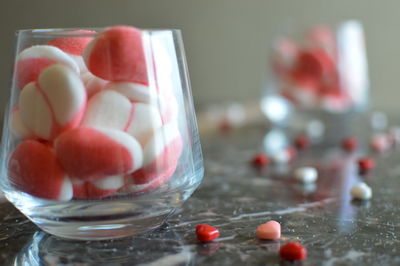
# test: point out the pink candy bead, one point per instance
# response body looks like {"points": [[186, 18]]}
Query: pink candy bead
{"points": [[269, 231]]}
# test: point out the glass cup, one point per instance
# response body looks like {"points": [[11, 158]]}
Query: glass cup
{"points": [[100, 138], [319, 80]]}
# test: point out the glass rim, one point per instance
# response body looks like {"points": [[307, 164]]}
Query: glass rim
{"points": [[67, 32]]}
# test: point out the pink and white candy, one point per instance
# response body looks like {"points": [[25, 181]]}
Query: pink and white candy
{"points": [[110, 109], [94, 153], [55, 104], [161, 155], [117, 54], [33, 168], [17, 127], [101, 188], [33, 60], [74, 45]]}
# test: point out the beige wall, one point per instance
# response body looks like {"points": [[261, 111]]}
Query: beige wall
{"points": [[226, 40]]}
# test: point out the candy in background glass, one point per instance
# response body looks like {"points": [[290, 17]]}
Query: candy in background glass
{"points": [[319, 75], [101, 126]]}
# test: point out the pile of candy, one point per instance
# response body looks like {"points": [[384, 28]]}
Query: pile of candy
{"points": [[90, 121], [271, 230], [308, 73]]}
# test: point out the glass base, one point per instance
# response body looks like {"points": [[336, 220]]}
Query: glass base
{"points": [[103, 219]]}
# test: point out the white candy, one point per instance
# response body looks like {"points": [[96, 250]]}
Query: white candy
{"points": [[107, 109], [306, 175], [50, 52], [134, 91], [110, 109], [361, 191], [17, 127]]}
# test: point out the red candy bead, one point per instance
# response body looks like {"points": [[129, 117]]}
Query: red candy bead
{"points": [[366, 164], [302, 142], [293, 251], [350, 143], [260, 159], [292, 153], [206, 233]]}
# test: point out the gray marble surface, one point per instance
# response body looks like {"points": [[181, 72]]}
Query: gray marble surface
{"points": [[236, 198]]}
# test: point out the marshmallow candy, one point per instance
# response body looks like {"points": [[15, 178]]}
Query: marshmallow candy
{"points": [[17, 127], [91, 154], [134, 91], [92, 83], [34, 169], [74, 46], [111, 109], [160, 159], [117, 54], [33, 60], [53, 105], [101, 188]]}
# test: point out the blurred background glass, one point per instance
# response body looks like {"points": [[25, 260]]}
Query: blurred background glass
{"points": [[226, 40]]}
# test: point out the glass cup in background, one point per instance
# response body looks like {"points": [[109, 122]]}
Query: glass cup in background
{"points": [[94, 145], [319, 83]]}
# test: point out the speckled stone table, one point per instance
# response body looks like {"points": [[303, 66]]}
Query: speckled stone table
{"points": [[236, 198]]}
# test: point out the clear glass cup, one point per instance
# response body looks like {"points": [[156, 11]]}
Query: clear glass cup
{"points": [[319, 80], [100, 137]]}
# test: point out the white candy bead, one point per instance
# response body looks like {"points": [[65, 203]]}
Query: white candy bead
{"points": [[306, 175], [361, 191]]}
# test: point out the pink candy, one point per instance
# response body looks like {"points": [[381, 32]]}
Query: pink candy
{"points": [[161, 155], [90, 154], [34, 169], [269, 231], [117, 54]]}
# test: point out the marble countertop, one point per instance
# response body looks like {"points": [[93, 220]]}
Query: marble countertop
{"points": [[236, 198]]}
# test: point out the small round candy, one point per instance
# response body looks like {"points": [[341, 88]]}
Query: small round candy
{"points": [[366, 164], [206, 233], [269, 231], [361, 191], [260, 159], [380, 143], [302, 142], [306, 175], [293, 251], [350, 143]]}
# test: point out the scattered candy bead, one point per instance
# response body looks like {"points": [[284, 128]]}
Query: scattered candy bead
{"points": [[206, 233], [350, 143], [366, 164], [306, 175], [361, 191], [260, 159], [291, 152], [293, 251], [302, 142], [269, 231], [380, 143]]}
